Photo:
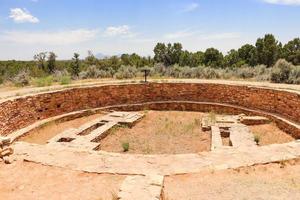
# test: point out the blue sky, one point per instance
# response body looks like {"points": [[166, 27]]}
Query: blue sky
{"points": [[126, 26]]}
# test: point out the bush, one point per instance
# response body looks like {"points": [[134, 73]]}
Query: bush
{"points": [[262, 73], [281, 71], [295, 75], [21, 79], [59, 74], [210, 73], [65, 80], [257, 139], [159, 69], [125, 146], [245, 72], [1, 80], [186, 72], [94, 72], [43, 81], [173, 71], [126, 72]]}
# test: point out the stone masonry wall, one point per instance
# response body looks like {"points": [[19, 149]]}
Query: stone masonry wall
{"points": [[23, 111]]}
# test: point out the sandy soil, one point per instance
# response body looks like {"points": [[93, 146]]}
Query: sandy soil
{"points": [[42, 135], [266, 182], [24, 180], [270, 134], [161, 132]]}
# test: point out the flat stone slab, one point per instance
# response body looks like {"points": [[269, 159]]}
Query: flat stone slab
{"points": [[137, 164], [240, 136], [141, 188], [88, 136], [254, 120], [123, 117], [216, 139]]}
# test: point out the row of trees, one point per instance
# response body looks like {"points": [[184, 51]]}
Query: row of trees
{"points": [[266, 51]]}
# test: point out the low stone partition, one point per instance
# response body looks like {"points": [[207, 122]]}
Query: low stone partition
{"points": [[20, 112]]}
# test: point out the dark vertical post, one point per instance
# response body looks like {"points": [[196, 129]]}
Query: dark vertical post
{"points": [[146, 73]]}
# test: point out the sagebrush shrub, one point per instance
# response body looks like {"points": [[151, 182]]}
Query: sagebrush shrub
{"points": [[281, 71], [294, 77], [245, 72], [21, 79], [210, 73], [59, 74], [126, 72], [93, 72]]}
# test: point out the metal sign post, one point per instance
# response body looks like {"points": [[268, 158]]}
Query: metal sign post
{"points": [[146, 73]]}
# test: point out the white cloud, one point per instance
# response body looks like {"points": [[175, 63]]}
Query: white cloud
{"points": [[283, 2], [49, 38], [190, 7], [22, 15], [124, 31]]}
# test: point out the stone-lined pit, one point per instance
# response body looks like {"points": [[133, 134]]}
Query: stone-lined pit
{"points": [[21, 114], [22, 111]]}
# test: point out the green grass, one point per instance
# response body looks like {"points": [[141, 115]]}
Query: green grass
{"points": [[43, 81], [256, 139], [65, 80], [125, 146]]}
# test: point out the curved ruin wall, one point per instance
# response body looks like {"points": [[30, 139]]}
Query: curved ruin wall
{"points": [[23, 111]]}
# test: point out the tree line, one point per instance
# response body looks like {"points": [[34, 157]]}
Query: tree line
{"points": [[266, 51]]}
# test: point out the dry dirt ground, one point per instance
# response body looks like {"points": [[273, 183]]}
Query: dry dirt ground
{"points": [[43, 134], [161, 132], [277, 181], [265, 182], [24, 180], [270, 134]]}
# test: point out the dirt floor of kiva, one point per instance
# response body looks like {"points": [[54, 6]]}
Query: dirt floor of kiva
{"points": [[266, 182], [161, 132], [270, 134]]}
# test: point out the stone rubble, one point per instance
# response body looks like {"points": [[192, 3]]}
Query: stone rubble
{"points": [[5, 150]]}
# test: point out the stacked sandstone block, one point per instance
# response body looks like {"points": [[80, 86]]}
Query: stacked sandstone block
{"points": [[5, 150]]}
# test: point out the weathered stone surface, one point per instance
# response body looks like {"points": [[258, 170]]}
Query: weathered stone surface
{"points": [[4, 141], [216, 139], [88, 136], [141, 188], [6, 152], [254, 120], [240, 136], [103, 162]]}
